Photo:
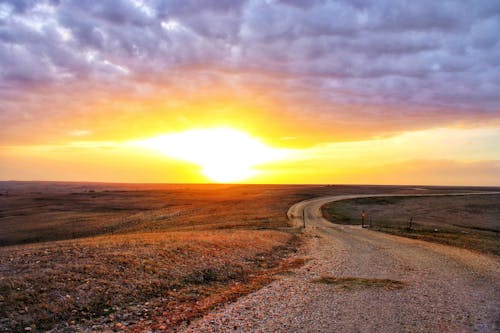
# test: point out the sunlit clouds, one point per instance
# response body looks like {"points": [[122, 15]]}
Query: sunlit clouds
{"points": [[320, 91]]}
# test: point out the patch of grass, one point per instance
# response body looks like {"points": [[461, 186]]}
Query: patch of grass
{"points": [[86, 281], [350, 283], [487, 243], [377, 201], [74, 211], [471, 222]]}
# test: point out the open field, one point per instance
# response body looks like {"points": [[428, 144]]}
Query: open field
{"points": [[133, 280], [128, 256], [45, 211], [471, 222]]}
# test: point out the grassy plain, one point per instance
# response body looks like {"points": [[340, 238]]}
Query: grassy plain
{"points": [[124, 257], [471, 222]]}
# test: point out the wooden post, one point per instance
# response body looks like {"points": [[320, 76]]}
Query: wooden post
{"points": [[304, 218], [363, 215]]}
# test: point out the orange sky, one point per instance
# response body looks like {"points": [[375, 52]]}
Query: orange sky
{"points": [[254, 92], [436, 156]]}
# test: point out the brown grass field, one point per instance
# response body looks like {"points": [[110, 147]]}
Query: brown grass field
{"points": [[124, 257], [471, 222]]}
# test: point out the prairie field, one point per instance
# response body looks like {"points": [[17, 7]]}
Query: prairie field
{"points": [[471, 222], [123, 257]]}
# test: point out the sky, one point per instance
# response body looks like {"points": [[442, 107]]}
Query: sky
{"points": [[270, 91]]}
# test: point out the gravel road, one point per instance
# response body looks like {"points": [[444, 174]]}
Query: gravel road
{"points": [[445, 289]]}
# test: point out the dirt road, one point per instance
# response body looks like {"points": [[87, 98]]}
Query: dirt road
{"points": [[444, 289]]}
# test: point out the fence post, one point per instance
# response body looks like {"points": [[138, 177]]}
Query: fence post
{"points": [[410, 223]]}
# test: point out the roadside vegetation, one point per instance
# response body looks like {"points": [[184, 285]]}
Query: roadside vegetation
{"points": [[130, 257], [133, 280], [350, 283], [471, 222]]}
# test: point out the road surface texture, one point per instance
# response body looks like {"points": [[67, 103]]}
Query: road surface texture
{"points": [[435, 288]]}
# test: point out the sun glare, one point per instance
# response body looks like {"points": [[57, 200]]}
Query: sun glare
{"points": [[224, 154]]}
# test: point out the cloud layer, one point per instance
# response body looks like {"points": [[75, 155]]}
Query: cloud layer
{"points": [[343, 63]]}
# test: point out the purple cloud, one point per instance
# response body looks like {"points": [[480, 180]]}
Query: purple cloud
{"points": [[418, 58]]}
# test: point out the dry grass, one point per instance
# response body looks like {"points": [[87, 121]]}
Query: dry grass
{"points": [[37, 212], [90, 279], [471, 222], [127, 257], [350, 283], [137, 256]]}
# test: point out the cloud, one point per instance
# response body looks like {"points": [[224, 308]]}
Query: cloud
{"points": [[79, 132], [351, 62]]}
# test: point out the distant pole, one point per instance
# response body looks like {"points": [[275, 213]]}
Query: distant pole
{"points": [[304, 218]]}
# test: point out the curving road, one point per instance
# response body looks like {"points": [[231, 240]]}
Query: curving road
{"points": [[446, 289]]}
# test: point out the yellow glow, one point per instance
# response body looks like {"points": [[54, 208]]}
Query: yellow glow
{"points": [[225, 154], [440, 156]]}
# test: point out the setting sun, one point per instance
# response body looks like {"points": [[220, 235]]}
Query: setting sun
{"points": [[224, 154]]}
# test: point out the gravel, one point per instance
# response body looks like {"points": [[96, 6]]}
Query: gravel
{"points": [[446, 289]]}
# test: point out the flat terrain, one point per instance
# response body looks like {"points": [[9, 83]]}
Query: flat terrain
{"points": [[471, 222], [359, 280], [79, 256], [106, 256]]}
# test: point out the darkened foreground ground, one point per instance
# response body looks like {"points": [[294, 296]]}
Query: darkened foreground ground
{"points": [[471, 222], [76, 256]]}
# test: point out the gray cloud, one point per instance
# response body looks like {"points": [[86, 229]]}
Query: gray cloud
{"points": [[418, 58]]}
